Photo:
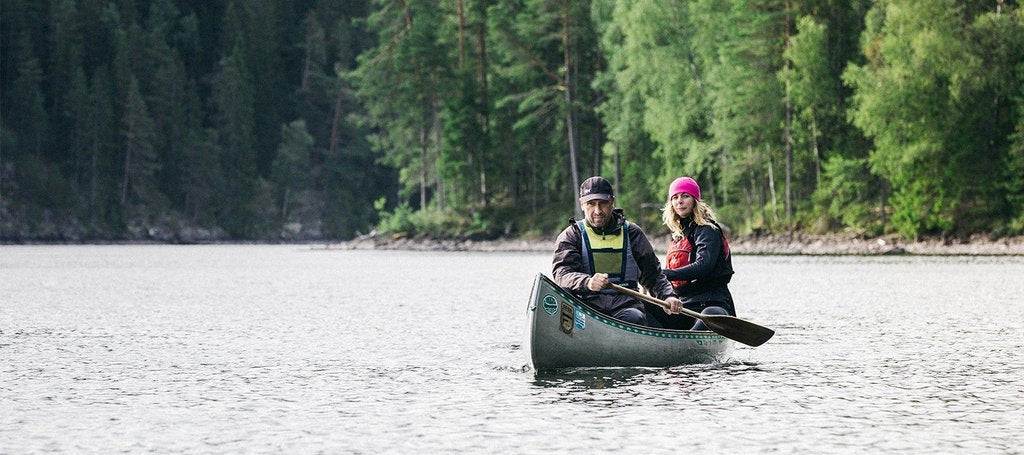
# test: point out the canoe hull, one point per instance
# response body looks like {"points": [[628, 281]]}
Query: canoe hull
{"points": [[565, 332]]}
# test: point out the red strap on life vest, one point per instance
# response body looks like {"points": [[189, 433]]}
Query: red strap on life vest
{"points": [[678, 255]]}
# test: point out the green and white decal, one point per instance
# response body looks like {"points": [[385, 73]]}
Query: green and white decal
{"points": [[550, 304]]}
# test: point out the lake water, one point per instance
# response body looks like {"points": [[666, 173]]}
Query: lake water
{"points": [[298, 349]]}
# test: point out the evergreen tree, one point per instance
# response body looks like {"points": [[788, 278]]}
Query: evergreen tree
{"points": [[233, 120], [140, 195], [741, 44], [79, 111], [400, 82], [545, 64], [815, 102], [481, 116], [466, 157], [204, 181], [26, 108], [1015, 169], [657, 111], [65, 62], [103, 164], [291, 167]]}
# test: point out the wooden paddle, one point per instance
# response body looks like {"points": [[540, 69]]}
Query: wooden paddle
{"points": [[731, 327]]}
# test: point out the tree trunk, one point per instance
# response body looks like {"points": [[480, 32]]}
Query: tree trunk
{"points": [[884, 199], [424, 134], [336, 121], [306, 66], [127, 166], [284, 206], [598, 156], [817, 156], [756, 191], [437, 149], [485, 120], [570, 127], [93, 179], [725, 185], [460, 12], [789, 161], [618, 167], [771, 184], [789, 129]]}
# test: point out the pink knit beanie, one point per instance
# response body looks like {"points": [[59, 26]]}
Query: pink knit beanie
{"points": [[684, 185]]}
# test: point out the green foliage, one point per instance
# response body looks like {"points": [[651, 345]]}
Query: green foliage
{"points": [[478, 118], [937, 117], [851, 195], [656, 113], [31, 123], [291, 167], [233, 97], [1014, 184], [404, 221], [812, 89], [140, 160], [40, 185]]}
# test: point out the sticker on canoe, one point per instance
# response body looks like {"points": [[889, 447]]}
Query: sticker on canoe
{"points": [[550, 304], [581, 319], [567, 316]]}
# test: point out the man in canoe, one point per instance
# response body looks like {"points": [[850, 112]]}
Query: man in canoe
{"points": [[605, 248]]}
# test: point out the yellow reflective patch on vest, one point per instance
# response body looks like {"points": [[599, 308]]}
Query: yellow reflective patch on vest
{"points": [[606, 251], [608, 262], [605, 242]]}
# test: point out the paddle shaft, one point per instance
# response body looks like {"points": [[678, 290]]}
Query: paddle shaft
{"points": [[659, 302], [731, 327]]}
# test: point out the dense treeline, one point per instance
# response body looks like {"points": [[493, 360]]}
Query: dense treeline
{"points": [[327, 118], [150, 118]]}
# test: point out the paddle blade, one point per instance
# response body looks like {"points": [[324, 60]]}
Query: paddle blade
{"points": [[734, 328]]}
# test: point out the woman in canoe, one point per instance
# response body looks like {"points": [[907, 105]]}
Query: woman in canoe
{"points": [[698, 262]]}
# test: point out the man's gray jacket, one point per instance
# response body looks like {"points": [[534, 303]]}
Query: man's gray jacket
{"points": [[568, 267]]}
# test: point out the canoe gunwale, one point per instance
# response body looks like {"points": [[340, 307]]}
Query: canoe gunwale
{"points": [[624, 325], [610, 342]]}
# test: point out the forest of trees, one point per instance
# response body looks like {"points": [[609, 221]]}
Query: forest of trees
{"points": [[326, 119]]}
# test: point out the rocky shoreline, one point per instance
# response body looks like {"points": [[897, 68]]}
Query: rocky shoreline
{"points": [[796, 244]]}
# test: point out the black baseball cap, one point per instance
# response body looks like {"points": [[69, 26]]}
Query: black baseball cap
{"points": [[596, 187]]}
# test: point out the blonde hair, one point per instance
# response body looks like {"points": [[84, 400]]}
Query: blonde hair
{"points": [[702, 215]]}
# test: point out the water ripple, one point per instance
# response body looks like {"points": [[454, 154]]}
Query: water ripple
{"points": [[271, 349]]}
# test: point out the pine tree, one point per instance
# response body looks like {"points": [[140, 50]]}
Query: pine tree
{"points": [[65, 62], [291, 167], [26, 107], [657, 111], [545, 107], [140, 195], [80, 112], [233, 120], [400, 82], [104, 170]]}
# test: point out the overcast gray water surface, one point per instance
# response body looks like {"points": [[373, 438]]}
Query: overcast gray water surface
{"points": [[298, 349]]}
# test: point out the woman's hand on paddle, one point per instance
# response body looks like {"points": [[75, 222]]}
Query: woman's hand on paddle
{"points": [[598, 282], [675, 306]]}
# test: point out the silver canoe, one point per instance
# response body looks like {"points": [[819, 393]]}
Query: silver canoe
{"points": [[566, 332]]}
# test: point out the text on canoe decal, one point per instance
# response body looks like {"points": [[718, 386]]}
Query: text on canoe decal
{"points": [[550, 304]]}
